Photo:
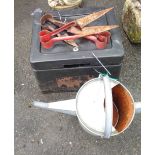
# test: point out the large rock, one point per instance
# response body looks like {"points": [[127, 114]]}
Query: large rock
{"points": [[131, 19]]}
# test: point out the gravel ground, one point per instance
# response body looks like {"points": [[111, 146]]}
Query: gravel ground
{"points": [[39, 132]]}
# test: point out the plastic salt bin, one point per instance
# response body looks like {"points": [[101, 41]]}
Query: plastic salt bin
{"points": [[62, 69]]}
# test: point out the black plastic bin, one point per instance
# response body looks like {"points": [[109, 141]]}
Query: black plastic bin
{"points": [[62, 69]]}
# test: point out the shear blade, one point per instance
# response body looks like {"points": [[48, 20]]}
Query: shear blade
{"points": [[82, 22]]}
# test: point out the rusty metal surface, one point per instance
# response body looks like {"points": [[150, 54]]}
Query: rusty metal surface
{"points": [[48, 17], [97, 29], [82, 22], [70, 42], [101, 40], [125, 106]]}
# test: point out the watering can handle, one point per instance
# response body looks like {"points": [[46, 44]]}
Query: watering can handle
{"points": [[108, 107]]}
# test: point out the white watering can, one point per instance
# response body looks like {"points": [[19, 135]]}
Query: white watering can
{"points": [[103, 105]]}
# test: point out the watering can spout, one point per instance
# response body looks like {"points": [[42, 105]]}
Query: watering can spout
{"points": [[66, 106]]}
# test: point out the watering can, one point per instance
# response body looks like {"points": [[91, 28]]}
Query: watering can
{"points": [[103, 106]]}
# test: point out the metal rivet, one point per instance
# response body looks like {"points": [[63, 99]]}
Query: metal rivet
{"points": [[75, 49]]}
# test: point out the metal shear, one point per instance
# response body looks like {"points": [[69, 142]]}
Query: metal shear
{"points": [[100, 40], [100, 31]]}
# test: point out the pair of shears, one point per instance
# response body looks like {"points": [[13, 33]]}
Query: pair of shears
{"points": [[96, 34]]}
